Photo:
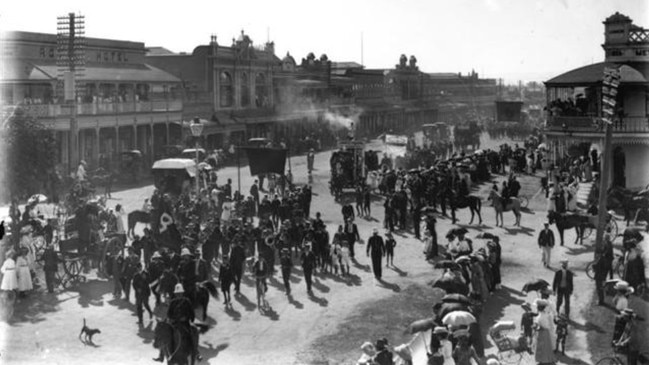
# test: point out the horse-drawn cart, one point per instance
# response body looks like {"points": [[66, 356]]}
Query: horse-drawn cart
{"points": [[347, 167]]}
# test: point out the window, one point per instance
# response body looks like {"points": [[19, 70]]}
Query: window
{"points": [[225, 89], [641, 52], [616, 52], [98, 56], [42, 53], [245, 90], [260, 90]]}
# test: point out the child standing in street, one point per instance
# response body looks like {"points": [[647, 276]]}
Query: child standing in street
{"points": [[527, 321], [390, 243]]}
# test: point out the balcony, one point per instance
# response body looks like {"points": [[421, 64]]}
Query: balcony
{"points": [[61, 110], [588, 125]]}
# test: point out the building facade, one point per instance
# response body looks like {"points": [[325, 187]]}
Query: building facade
{"points": [[574, 105], [120, 103]]}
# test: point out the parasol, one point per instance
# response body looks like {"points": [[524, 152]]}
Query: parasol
{"points": [[543, 146], [37, 199], [487, 236], [478, 152], [447, 264], [458, 318], [447, 308], [204, 166], [463, 260], [503, 326], [451, 284], [421, 325], [456, 298], [535, 285]]}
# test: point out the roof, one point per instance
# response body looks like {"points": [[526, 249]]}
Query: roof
{"points": [[27, 71], [443, 75], [344, 65], [617, 18], [158, 51], [592, 74]]}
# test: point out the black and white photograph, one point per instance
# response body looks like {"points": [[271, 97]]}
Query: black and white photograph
{"points": [[387, 182]]}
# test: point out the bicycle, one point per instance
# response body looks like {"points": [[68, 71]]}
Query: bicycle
{"points": [[618, 267], [616, 359]]}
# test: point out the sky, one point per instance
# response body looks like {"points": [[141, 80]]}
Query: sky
{"points": [[528, 40]]}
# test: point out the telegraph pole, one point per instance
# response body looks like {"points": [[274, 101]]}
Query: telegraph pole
{"points": [[610, 82]]}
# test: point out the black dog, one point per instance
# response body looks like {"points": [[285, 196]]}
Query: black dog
{"points": [[562, 333], [89, 332]]}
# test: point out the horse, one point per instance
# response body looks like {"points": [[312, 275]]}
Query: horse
{"points": [[498, 203], [566, 221], [175, 343], [627, 200], [135, 217], [470, 201], [199, 297]]}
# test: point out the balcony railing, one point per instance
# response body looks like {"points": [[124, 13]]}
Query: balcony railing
{"points": [[588, 124], [59, 110]]}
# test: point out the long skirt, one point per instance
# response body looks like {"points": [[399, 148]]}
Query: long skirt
{"points": [[544, 352]]}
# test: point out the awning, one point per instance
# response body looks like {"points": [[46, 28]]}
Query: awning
{"points": [[143, 73], [176, 164], [593, 74]]}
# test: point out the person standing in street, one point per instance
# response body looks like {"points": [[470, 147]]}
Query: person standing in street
{"points": [[543, 353], [286, 264], [226, 278], [50, 267], [237, 259], [562, 286], [376, 247], [390, 244], [546, 242], [600, 277], [308, 266], [352, 235], [254, 192]]}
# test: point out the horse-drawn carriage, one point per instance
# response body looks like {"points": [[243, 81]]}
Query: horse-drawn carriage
{"points": [[347, 167]]}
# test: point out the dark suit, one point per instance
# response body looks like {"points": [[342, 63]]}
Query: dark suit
{"points": [[376, 246], [563, 293]]}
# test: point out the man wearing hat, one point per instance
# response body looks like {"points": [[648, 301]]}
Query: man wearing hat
{"points": [[226, 278], [180, 313], [286, 265], [621, 299], [308, 265], [562, 286], [546, 242], [626, 335], [142, 292], [187, 270], [352, 235], [376, 247]]}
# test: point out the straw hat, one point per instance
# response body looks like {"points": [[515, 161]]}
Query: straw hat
{"points": [[440, 330], [185, 252], [541, 303]]}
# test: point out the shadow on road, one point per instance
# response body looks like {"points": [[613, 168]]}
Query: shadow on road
{"points": [[494, 308], [245, 302], [146, 333], [318, 285], [295, 303], [91, 292], [323, 302], [384, 284], [209, 351], [270, 313], [519, 230], [357, 265], [399, 271], [35, 308], [234, 314]]}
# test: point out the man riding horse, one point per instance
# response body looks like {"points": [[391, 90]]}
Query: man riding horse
{"points": [[181, 314]]}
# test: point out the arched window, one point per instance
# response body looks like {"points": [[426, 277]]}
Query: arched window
{"points": [[260, 91], [245, 90], [225, 89]]}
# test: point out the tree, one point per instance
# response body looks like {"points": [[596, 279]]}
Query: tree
{"points": [[29, 155]]}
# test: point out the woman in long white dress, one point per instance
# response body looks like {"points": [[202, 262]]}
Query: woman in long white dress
{"points": [[9, 276], [22, 272], [544, 352]]}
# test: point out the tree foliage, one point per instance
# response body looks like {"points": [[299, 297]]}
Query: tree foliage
{"points": [[29, 153]]}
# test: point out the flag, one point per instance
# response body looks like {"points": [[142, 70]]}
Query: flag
{"points": [[264, 160]]}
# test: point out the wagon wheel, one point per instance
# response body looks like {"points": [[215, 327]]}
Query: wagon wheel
{"points": [[72, 268], [510, 357], [588, 230]]}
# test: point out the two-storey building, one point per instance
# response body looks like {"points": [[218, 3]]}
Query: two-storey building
{"points": [[574, 105], [122, 103]]}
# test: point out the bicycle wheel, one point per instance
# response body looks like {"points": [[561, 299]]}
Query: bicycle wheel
{"points": [[590, 271], [613, 225], [609, 361]]}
